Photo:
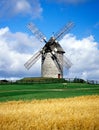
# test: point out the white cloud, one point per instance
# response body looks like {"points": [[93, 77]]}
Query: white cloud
{"points": [[84, 55], [10, 8], [17, 48], [22, 6]]}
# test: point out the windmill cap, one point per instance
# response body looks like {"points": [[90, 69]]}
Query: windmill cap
{"points": [[57, 46]]}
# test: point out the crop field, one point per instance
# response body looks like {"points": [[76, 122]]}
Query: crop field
{"points": [[78, 113], [30, 91]]}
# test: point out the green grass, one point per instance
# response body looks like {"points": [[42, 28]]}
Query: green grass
{"points": [[31, 86], [82, 85], [44, 91]]}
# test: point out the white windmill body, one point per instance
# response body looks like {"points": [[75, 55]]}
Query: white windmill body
{"points": [[49, 66], [52, 54], [49, 69]]}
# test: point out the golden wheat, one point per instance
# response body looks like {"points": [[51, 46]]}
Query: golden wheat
{"points": [[80, 113]]}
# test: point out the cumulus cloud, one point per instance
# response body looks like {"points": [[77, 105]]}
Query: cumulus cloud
{"points": [[17, 48], [84, 54], [10, 8]]}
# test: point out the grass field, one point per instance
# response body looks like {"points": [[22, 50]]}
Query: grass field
{"points": [[79, 113], [9, 92]]}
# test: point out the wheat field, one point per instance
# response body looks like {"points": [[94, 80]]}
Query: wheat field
{"points": [[79, 113]]}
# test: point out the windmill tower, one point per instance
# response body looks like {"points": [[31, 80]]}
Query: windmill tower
{"points": [[52, 54]]}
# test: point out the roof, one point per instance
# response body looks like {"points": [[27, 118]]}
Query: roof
{"points": [[57, 46], [53, 45]]}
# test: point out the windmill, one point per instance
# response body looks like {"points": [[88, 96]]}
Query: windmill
{"points": [[52, 54]]}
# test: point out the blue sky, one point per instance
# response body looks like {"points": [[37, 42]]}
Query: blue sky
{"points": [[49, 16], [54, 15]]}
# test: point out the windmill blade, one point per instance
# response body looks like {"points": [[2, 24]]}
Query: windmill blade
{"points": [[66, 62], [56, 61], [36, 32], [33, 60], [59, 35]]}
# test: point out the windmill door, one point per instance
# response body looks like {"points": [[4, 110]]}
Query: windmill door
{"points": [[58, 76]]}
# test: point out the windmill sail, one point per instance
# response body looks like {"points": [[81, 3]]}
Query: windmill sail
{"points": [[38, 34], [66, 62], [63, 31], [33, 60]]}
